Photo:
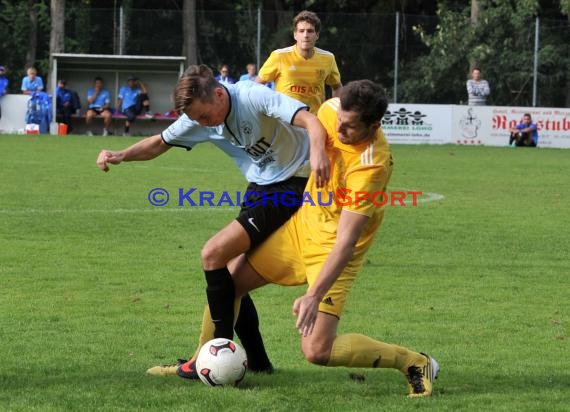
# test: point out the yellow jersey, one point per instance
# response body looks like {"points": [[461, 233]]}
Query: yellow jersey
{"points": [[300, 78], [296, 252], [359, 176]]}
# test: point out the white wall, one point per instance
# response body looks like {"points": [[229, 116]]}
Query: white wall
{"points": [[14, 108]]}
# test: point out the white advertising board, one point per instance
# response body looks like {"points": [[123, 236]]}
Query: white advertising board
{"points": [[489, 125], [418, 123]]}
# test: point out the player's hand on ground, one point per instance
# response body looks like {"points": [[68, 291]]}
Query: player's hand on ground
{"points": [[107, 157], [321, 167], [306, 308]]}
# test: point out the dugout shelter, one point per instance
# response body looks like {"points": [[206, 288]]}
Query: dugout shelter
{"points": [[158, 73]]}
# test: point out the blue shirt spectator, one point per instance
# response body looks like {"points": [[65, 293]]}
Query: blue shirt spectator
{"points": [[132, 100], [98, 97], [251, 73], [99, 101], [224, 76], [247, 77], [3, 85], [128, 97], [64, 96], [525, 133], [67, 103], [3, 82], [32, 82]]}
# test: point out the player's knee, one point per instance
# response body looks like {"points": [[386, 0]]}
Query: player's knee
{"points": [[211, 255], [317, 354]]}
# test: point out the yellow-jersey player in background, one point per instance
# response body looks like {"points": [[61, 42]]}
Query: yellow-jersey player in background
{"points": [[301, 71]]}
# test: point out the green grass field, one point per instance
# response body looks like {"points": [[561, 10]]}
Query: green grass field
{"points": [[97, 285]]}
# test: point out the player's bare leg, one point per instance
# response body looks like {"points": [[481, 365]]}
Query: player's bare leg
{"points": [[324, 347]]}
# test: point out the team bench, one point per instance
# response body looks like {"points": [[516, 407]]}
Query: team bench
{"points": [[142, 126]]}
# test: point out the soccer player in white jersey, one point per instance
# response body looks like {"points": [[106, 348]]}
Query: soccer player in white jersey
{"points": [[255, 126]]}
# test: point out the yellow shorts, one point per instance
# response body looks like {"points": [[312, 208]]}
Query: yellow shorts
{"points": [[287, 259]]}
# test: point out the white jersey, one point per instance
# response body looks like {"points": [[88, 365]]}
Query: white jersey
{"points": [[257, 134]]}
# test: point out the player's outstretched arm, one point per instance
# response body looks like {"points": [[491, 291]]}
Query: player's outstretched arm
{"points": [[306, 307], [145, 149], [320, 163]]}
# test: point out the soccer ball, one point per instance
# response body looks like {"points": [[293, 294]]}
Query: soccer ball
{"points": [[221, 362]]}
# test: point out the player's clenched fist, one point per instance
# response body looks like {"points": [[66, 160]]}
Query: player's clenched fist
{"points": [[107, 157]]}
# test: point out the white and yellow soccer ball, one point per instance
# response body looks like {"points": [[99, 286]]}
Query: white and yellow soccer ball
{"points": [[221, 362]]}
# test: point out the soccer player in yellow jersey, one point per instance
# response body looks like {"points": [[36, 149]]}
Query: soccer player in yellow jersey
{"points": [[324, 243], [301, 71]]}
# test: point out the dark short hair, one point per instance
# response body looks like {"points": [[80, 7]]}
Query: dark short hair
{"points": [[196, 83], [309, 17], [98, 78], [364, 97], [527, 114]]}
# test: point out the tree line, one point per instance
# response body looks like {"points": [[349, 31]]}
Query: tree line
{"points": [[439, 41]]}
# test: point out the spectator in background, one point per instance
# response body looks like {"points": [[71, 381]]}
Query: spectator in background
{"points": [[224, 76], [67, 103], [251, 73], [313, 67], [32, 82], [99, 103], [477, 89], [524, 134], [132, 100], [4, 82]]}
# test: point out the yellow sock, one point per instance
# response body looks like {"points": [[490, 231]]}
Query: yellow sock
{"points": [[207, 327], [355, 350]]}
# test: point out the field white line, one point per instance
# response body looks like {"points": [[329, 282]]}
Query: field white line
{"points": [[430, 197], [425, 197]]}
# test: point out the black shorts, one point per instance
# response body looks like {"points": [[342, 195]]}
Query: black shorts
{"points": [[133, 111], [266, 207], [98, 110]]}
